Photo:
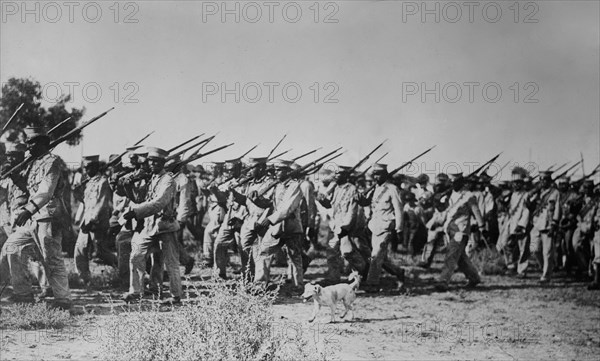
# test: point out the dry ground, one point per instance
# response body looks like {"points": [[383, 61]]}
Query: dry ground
{"points": [[502, 319]]}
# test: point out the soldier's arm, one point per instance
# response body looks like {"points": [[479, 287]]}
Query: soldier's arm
{"points": [[474, 205], [164, 194], [398, 207], [557, 208], [288, 205], [308, 191], [46, 188], [524, 218], [183, 209]]}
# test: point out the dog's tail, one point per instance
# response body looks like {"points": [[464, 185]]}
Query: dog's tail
{"points": [[355, 277]]}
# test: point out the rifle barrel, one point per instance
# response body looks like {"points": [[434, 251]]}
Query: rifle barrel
{"points": [[11, 118]]}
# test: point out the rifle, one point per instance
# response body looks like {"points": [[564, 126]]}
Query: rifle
{"points": [[305, 154], [53, 145], [317, 167], [174, 156], [485, 166], [401, 167], [58, 125], [11, 118], [565, 172], [371, 166], [365, 158], [184, 143], [144, 138], [552, 166], [248, 169], [248, 152], [559, 168], [198, 156], [299, 171], [276, 145], [594, 171], [501, 169]]}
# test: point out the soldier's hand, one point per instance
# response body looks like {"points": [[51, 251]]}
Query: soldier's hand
{"points": [[129, 215], [23, 217]]}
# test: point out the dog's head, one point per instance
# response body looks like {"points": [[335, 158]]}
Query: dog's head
{"points": [[310, 290]]}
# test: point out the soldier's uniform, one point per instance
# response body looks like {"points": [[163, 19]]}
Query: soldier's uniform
{"points": [[159, 232], [93, 232], [285, 229], [584, 233], [249, 237], [595, 285], [513, 238], [565, 255], [185, 204], [546, 217], [348, 225], [45, 183], [462, 205], [217, 207], [387, 215]]}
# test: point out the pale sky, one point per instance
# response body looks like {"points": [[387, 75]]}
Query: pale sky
{"points": [[371, 59]]}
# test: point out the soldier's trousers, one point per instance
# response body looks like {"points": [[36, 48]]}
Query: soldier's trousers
{"points": [[542, 248], [473, 243], [123, 243], [27, 242], [208, 245], [582, 243], [354, 249], [36, 267], [434, 236], [249, 241], [83, 247], [141, 247], [457, 259], [379, 258], [516, 252], [225, 240], [270, 245], [565, 254]]}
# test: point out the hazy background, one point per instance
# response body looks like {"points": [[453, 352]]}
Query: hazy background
{"points": [[369, 53]]}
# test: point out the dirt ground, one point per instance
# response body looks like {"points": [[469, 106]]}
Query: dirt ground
{"points": [[502, 319]]}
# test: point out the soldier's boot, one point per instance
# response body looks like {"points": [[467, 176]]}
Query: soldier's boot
{"points": [[595, 285]]}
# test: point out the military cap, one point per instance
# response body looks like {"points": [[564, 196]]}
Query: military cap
{"points": [[562, 180], [156, 153], [88, 159], [379, 168], [485, 178], [455, 176], [282, 163], [342, 169], [527, 179], [588, 183], [295, 166], [112, 157], [35, 132], [12, 148], [442, 177], [257, 160], [518, 176], [546, 174], [231, 164]]}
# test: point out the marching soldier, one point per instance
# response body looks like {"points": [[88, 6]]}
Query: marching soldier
{"points": [[565, 255], [40, 222], [435, 231], [217, 207], [186, 193], [228, 234], [284, 226], [595, 285], [584, 233], [348, 225], [513, 238], [93, 232], [546, 217], [387, 214], [462, 205], [157, 212]]}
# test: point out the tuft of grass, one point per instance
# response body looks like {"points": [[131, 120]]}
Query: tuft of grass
{"points": [[227, 323], [489, 261], [35, 316]]}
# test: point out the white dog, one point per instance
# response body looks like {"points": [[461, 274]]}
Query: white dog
{"points": [[330, 295]]}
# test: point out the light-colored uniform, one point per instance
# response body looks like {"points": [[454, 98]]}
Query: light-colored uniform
{"points": [[347, 215], [44, 231], [185, 203], [286, 229], [584, 233], [515, 245], [387, 216], [160, 231], [547, 213], [97, 198], [462, 206], [217, 208], [228, 233]]}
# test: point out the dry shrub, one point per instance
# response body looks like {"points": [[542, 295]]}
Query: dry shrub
{"points": [[23, 316], [225, 323], [489, 261]]}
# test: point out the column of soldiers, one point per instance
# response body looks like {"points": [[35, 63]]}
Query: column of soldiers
{"points": [[133, 214]]}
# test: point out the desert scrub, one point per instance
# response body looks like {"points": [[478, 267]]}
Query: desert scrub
{"points": [[22, 316], [489, 261], [224, 323]]}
